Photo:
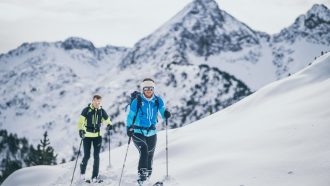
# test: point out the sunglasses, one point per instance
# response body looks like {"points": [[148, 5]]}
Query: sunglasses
{"points": [[148, 88]]}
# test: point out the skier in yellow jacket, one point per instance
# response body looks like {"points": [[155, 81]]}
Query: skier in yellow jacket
{"points": [[89, 125]]}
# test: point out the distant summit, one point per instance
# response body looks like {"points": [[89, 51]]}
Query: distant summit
{"points": [[202, 28], [77, 43], [313, 26]]}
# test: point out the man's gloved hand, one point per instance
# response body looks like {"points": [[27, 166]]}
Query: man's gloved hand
{"points": [[167, 114], [82, 133], [109, 127], [130, 131]]}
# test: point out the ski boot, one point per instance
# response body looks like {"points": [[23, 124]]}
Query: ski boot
{"points": [[142, 176], [97, 179], [94, 180], [149, 171]]}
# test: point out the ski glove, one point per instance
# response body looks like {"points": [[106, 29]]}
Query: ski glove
{"points": [[82, 133], [130, 131], [167, 114], [109, 127]]}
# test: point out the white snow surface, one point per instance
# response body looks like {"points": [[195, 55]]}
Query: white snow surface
{"points": [[277, 136]]}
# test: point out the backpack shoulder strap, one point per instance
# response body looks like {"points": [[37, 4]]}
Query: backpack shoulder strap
{"points": [[138, 106], [157, 102], [139, 102], [84, 112], [102, 110]]}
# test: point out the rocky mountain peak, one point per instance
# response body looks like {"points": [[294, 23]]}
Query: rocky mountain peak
{"points": [[314, 26], [201, 27], [320, 10], [318, 15], [77, 43]]}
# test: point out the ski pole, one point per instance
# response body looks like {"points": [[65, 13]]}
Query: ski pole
{"points": [[109, 149], [122, 170], [76, 161], [129, 139], [166, 150]]}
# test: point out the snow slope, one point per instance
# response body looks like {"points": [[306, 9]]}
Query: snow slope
{"points": [[276, 136]]}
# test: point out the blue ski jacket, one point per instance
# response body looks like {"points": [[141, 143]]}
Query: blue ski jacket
{"points": [[146, 120]]}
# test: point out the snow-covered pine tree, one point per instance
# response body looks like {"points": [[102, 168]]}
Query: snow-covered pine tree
{"points": [[44, 154]]}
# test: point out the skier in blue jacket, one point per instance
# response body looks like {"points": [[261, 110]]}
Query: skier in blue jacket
{"points": [[143, 131]]}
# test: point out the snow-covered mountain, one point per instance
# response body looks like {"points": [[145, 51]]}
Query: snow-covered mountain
{"points": [[203, 33], [270, 57], [203, 60], [276, 136], [313, 27], [201, 28], [43, 84], [309, 34]]}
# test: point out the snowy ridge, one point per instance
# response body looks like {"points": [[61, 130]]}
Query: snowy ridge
{"points": [[202, 28], [313, 27], [276, 136]]}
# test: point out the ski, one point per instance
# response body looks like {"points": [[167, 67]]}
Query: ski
{"points": [[140, 183], [89, 181], [158, 183]]}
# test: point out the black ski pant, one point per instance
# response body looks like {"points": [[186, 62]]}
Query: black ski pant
{"points": [[146, 146], [96, 141]]}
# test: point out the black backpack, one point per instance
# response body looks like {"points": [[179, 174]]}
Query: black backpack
{"points": [[137, 95]]}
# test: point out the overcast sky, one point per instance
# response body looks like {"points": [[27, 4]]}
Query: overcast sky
{"points": [[124, 22]]}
